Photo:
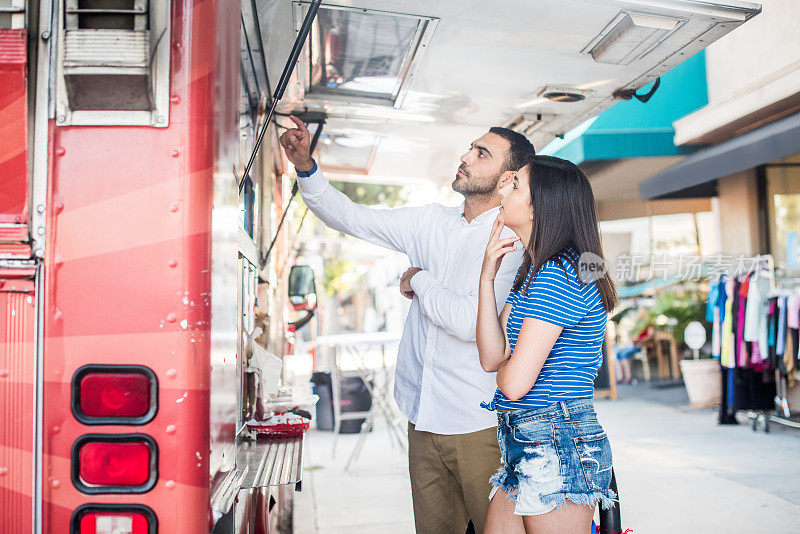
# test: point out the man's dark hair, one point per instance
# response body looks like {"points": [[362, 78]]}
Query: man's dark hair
{"points": [[520, 151]]}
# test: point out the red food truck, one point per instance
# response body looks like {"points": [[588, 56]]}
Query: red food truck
{"points": [[137, 233]]}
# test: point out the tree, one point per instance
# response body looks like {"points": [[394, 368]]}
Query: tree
{"points": [[371, 194], [338, 275]]}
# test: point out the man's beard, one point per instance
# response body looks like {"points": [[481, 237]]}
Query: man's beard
{"points": [[468, 187]]}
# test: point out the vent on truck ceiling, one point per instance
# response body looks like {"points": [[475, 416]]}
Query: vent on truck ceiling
{"points": [[529, 122], [362, 54], [631, 36], [114, 62]]}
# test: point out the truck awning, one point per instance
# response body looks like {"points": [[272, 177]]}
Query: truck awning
{"points": [[586, 53], [768, 143]]}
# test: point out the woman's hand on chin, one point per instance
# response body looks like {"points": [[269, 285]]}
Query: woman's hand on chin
{"points": [[496, 248]]}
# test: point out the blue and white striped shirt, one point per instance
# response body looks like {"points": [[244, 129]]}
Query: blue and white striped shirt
{"points": [[558, 296]]}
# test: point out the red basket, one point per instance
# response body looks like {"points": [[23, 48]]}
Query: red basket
{"points": [[282, 430]]}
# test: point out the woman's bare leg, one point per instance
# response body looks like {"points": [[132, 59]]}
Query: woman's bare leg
{"points": [[500, 518], [627, 376], [574, 519]]}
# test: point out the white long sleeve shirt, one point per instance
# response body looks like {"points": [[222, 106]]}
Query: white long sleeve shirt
{"points": [[439, 382]]}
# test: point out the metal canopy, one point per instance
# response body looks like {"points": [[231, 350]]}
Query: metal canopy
{"points": [[768, 143], [484, 64]]}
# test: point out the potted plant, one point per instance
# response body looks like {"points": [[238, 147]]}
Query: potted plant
{"points": [[701, 374]]}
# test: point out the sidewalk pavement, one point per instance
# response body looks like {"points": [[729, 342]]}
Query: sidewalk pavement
{"points": [[374, 496], [677, 471]]}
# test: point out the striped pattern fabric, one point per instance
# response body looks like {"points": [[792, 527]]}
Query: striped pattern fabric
{"points": [[557, 295]]}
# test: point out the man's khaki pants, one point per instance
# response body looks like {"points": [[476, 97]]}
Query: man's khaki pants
{"points": [[450, 479]]}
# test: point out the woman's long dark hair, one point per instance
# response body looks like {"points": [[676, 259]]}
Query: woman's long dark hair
{"points": [[564, 215]]}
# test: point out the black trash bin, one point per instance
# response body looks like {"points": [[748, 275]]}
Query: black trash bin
{"points": [[323, 389], [355, 397]]}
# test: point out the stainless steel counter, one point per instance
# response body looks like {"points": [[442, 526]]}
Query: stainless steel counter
{"points": [[271, 462]]}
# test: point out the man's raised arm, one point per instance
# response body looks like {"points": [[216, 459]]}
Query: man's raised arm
{"points": [[457, 314], [395, 228]]}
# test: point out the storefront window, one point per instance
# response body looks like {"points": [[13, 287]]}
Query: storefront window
{"points": [[783, 212], [657, 247]]}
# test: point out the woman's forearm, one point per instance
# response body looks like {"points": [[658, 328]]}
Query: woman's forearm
{"points": [[513, 382], [489, 331]]}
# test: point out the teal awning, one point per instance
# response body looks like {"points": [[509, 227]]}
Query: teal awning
{"points": [[632, 129]]}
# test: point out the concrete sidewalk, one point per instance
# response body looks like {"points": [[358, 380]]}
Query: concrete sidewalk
{"points": [[677, 471], [374, 496]]}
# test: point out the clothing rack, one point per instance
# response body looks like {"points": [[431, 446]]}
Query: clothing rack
{"points": [[761, 265], [781, 414], [756, 416], [755, 266], [769, 262], [762, 260], [783, 287], [786, 287]]}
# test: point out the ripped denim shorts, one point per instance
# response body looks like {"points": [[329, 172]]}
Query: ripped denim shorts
{"points": [[551, 454]]}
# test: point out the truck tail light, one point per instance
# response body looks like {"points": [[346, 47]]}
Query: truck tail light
{"points": [[114, 394], [113, 519], [114, 464], [113, 523], [103, 463]]}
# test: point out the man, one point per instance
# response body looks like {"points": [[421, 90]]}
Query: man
{"points": [[439, 382]]}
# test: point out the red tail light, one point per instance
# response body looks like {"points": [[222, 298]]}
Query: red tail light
{"points": [[114, 464], [114, 394], [114, 523], [113, 519], [103, 463]]}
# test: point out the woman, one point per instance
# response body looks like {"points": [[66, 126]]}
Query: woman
{"points": [[635, 339], [546, 350]]}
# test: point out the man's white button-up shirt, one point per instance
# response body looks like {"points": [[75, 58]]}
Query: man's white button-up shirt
{"points": [[439, 382]]}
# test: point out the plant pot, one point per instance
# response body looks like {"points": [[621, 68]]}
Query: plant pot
{"points": [[702, 379]]}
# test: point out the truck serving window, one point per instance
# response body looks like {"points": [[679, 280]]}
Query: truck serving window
{"points": [[363, 55]]}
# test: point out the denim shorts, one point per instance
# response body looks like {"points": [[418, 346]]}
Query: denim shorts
{"points": [[625, 353], [551, 454]]}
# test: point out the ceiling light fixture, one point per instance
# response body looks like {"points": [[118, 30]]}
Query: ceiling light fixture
{"points": [[563, 96]]}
